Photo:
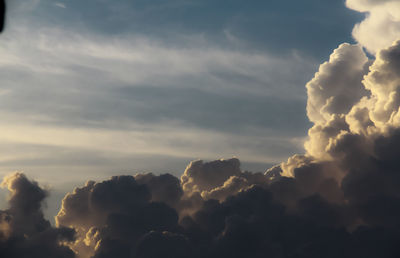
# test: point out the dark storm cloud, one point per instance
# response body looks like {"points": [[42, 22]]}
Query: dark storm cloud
{"points": [[24, 232], [253, 222], [164, 188], [168, 245], [258, 25], [120, 211]]}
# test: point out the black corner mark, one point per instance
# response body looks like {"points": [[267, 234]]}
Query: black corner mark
{"points": [[2, 14]]}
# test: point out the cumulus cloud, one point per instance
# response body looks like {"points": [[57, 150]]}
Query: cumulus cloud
{"points": [[164, 188], [24, 232], [337, 85], [112, 215], [355, 147], [199, 176], [381, 26]]}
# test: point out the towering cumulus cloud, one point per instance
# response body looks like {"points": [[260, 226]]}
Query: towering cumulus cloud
{"points": [[339, 199]]}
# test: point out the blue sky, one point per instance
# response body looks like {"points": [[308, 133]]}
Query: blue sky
{"points": [[310, 26], [98, 87]]}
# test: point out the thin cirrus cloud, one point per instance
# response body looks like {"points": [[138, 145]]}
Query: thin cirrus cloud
{"points": [[231, 23], [71, 80]]}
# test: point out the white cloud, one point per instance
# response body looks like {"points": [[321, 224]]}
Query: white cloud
{"points": [[381, 26], [61, 5], [137, 61]]}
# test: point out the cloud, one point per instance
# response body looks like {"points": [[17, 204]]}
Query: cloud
{"points": [[382, 21], [200, 177], [360, 142], [119, 210], [337, 85], [363, 5], [238, 25], [124, 214], [180, 101], [168, 245], [23, 229], [164, 188], [339, 199], [61, 5], [217, 179]]}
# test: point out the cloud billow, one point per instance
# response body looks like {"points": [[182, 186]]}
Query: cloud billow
{"points": [[382, 22]]}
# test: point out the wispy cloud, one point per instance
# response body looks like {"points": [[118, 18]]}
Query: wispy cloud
{"points": [[61, 5], [132, 95]]}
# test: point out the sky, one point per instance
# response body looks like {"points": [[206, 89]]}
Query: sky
{"points": [[95, 88], [188, 129]]}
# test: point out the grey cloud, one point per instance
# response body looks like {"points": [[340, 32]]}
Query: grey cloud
{"points": [[90, 205], [271, 217], [168, 245], [231, 186], [164, 188], [24, 231], [119, 210], [200, 176]]}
